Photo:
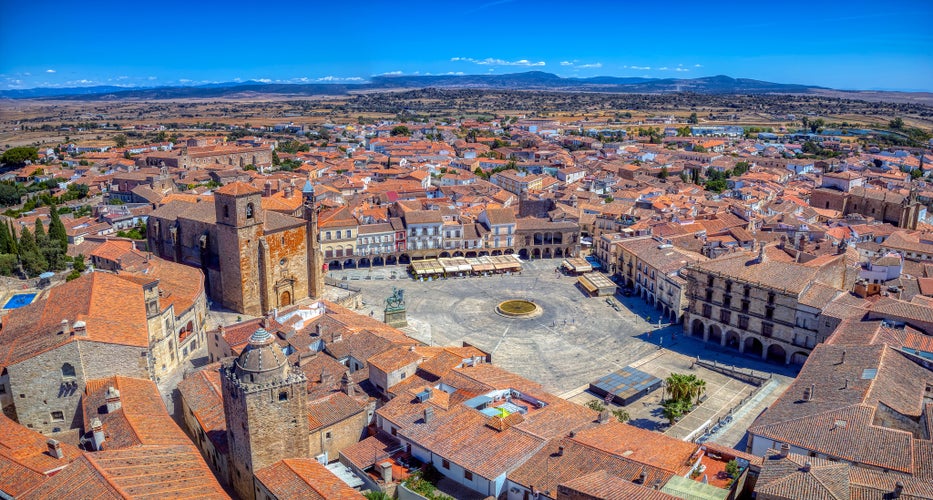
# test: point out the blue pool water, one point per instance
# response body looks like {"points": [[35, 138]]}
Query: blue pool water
{"points": [[19, 300]]}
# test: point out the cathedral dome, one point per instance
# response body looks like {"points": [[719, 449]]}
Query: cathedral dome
{"points": [[262, 360]]}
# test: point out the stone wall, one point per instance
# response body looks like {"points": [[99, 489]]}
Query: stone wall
{"points": [[39, 388], [336, 437]]}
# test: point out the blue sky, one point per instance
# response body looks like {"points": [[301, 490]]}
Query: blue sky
{"points": [[842, 44]]}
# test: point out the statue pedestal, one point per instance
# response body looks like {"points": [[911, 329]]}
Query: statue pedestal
{"points": [[395, 317]]}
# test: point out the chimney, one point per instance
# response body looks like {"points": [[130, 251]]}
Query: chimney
{"points": [[267, 189], [785, 449], [812, 392], [843, 360], [66, 326], [55, 449], [386, 472], [898, 489], [113, 399], [428, 415], [642, 477], [97, 429], [319, 330], [80, 329], [220, 330], [761, 252], [289, 190], [603, 416], [807, 466], [347, 385], [560, 451]]}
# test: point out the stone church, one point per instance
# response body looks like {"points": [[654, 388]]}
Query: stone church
{"points": [[254, 260]]}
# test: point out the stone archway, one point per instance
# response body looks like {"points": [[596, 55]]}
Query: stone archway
{"points": [[547, 253], [799, 358], [404, 259], [715, 334], [471, 255], [523, 254], [444, 255], [558, 252], [496, 253], [377, 261], [458, 254], [364, 262], [335, 265], [697, 328], [391, 260], [285, 299], [349, 264], [733, 340], [508, 251], [753, 346], [536, 253], [777, 354]]}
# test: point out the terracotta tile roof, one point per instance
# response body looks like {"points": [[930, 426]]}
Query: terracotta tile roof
{"points": [[238, 188], [786, 477], [147, 472], [605, 486], [850, 383], [639, 445], [334, 408], [304, 478], [202, 393], [549, 467], [92, 298], [462, 437], [24, 458], [394, 359], [141, 419], [370, 451]]}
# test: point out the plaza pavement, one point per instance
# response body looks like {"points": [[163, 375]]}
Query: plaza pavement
{"points": [[575, 340]]}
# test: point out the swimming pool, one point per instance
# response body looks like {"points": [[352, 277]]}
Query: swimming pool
{"points": [[19, 300]]}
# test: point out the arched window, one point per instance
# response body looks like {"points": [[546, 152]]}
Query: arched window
{"points": [[68, 370], [249, 210]]}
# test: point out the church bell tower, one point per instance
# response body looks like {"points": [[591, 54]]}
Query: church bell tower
{"points": [[315, 257]]}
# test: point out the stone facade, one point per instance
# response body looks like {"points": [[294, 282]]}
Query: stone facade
{"points": [[254, 260], [266, 409], [53, 382], [883, 205]]}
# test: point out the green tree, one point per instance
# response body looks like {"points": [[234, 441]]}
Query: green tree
{"points": [[916, 173], [699, 148], [29, 254], [10, 194], [732, 468], [79, 264], [17, 157], [595, 405], [693, 119], [621, 415], [663, 174], [6, 244], [119, 140], [896, 123], [400, 130], [684, 131], [57, 231], [275, 159]]}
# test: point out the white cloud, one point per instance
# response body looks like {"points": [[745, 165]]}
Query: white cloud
{"points": [[151, 78], [50, 71], [490, 61], [663, 68], [640, 68], [697, 65], [390, 73], [575, 64], [681, 69], [264, 80]]}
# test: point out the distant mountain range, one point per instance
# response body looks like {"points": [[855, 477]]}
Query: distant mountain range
{"points": [[531, 80]]}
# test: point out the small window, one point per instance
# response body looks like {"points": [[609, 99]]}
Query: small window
{"points": [[467, 475], [226, 211], [283, 396], [445, 464], [327, 435], [68, 371], [249, 210], [58, 416]]}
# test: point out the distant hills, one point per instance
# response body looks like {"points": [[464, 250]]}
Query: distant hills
{"points": [[531, 80]]}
